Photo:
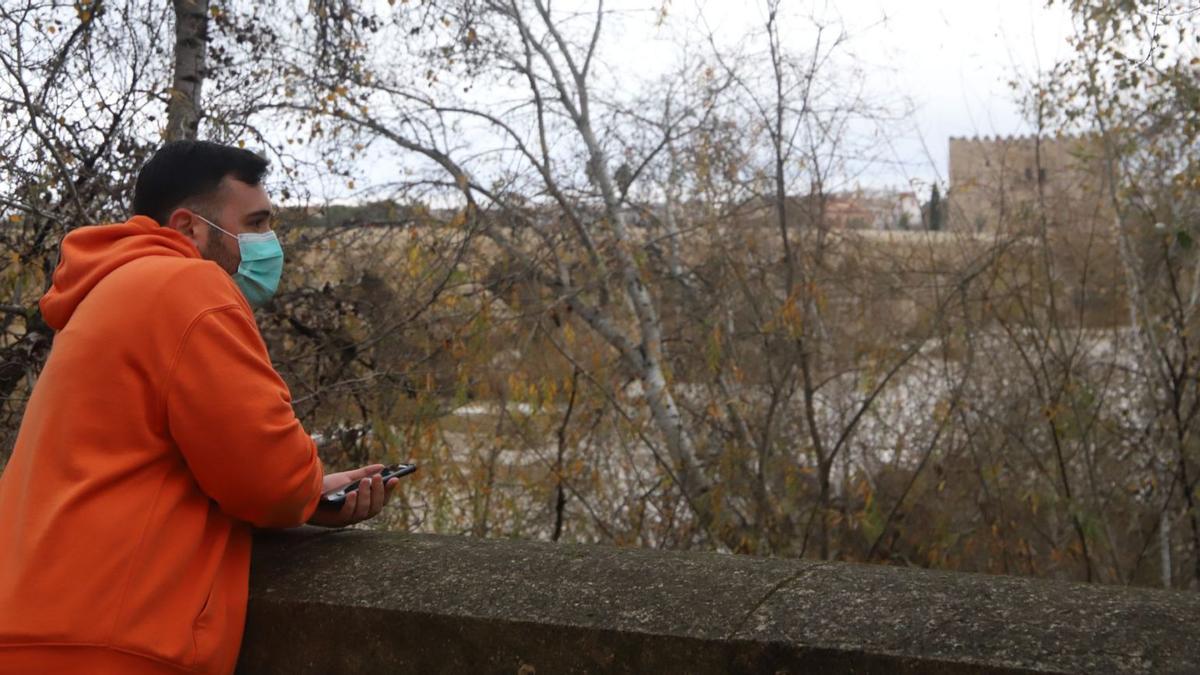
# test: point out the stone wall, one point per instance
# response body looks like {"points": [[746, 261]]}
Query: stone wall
{"points": [[354, 601], [995, 182]]}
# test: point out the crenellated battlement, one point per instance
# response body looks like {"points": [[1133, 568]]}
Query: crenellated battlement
{"points": [[1018, 138]]}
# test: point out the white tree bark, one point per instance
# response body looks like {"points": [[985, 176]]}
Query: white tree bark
{"points": [[191, 43]]}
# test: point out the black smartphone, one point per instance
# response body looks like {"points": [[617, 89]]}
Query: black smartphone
{"points": [[335, 498]]}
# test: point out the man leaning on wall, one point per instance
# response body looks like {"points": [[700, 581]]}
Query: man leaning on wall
{"points": [[158, 435]]}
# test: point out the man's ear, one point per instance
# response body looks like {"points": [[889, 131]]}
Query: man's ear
{"points": [[186, 223]]}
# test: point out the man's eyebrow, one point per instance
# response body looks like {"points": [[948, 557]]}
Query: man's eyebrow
{"points": [[261, 213]]}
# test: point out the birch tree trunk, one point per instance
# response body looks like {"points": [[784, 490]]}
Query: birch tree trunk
{"points": [[191, 41]]}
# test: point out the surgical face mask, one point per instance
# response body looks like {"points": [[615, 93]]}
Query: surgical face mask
{"points": [[261, 266]]}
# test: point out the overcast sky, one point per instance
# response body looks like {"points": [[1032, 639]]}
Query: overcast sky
{"points": [[951, 60]]}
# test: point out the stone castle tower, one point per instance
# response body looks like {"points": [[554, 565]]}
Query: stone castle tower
{"points": [[998, 183]]}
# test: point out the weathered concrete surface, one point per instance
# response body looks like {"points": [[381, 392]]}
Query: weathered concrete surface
{"points": [[352, 601]]}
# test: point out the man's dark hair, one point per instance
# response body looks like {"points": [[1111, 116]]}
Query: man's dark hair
{"points": [[187, 170]]}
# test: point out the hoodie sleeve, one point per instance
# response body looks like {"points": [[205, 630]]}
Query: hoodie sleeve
{"points": [[231, 416]]}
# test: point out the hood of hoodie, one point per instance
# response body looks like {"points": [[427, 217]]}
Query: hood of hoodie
{"points": [[91, 253]]}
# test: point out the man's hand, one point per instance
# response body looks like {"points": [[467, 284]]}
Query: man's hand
{"points": [[365, 502]]}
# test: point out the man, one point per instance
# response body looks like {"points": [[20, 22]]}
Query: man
{"points": [[157, 435]]}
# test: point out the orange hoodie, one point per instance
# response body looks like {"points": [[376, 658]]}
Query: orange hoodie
{"points": [[156, 435]]}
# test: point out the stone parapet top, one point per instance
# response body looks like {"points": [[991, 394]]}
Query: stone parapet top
{"points": [[356, 601]]}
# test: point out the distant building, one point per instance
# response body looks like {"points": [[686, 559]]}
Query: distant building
{"points": [[873, 210], [997, 183]]}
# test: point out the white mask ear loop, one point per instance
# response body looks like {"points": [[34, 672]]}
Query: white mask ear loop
{"points": [[216, 225]]}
